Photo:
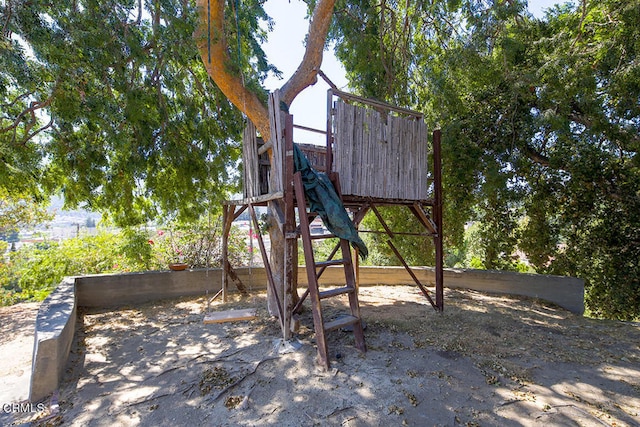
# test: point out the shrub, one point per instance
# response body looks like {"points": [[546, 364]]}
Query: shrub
{"points": [[32, 272]]}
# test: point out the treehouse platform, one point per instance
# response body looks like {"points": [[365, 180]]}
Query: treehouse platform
{"points": [[375, 155]]}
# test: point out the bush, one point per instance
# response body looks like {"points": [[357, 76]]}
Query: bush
{"points": [[31, 273], [199, 245]]}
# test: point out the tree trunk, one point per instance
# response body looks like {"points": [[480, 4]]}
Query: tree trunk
{"points": [[212, 45], [276, 259]]}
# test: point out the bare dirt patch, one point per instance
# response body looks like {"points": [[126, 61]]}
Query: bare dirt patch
{"points": [[16, 345], [487, 360]]}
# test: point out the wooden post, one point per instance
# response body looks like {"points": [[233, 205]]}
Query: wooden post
{"points": [[227, 219], [329, 156], [318, 320], [437, 215], [276, 207], [291, 239], [267, 266]]}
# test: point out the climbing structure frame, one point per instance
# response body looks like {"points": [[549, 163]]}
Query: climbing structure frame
{"points": [[376, 155]]}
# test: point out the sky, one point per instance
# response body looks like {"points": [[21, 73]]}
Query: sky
{"points": [[285, 49]]}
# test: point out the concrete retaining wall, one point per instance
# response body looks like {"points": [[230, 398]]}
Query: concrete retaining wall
{"points": [[55, 324], [112, 290], [567, 292], [122, 289], [55, 328]]}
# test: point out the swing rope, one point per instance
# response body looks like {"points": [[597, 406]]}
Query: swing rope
{"points": [[235, 5]]}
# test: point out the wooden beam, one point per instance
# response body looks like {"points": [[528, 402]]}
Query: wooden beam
{"points": [[255, 200], [330, 110], [227, 219], [318, 321], [424, 219], [350, 200], [424, 290], [360, 214], [396, 233], [289, 226], [308, 129], [228, 268], [237, 213], [437, 214], [382, 221], [377, 104], [263, 149], [267, 265]]}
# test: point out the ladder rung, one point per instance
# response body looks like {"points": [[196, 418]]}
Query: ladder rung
{"points": [[335, 292], [331, 262], [322, 236], [340, 322]]}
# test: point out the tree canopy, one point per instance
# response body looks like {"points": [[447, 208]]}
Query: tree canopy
{"points": [[540, 120], [110, 102]]}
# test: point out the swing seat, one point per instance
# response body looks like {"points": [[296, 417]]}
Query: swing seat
{"points": [[230, 315]]}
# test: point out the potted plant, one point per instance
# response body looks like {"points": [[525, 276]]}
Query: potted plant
{"points": [[180, 264]]}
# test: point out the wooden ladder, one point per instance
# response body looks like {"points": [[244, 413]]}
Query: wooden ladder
{"points": [[321, 327]]}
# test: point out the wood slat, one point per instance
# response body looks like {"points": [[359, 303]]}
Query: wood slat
{"points": [[330, 262], [251, 180], [340, 323], [322, 236], [256, 200], [376, 103], [336, 291], [276, 122], [266, 147], [230, 316]]}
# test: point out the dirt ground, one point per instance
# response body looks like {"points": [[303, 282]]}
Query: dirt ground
{"points": [[486, 361], [16, 347]]}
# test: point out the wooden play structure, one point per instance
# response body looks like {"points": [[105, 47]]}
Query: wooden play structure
{"points": [[375, 155]]}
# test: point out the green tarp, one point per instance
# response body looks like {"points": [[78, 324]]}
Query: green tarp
{"points": [[322, 198]]}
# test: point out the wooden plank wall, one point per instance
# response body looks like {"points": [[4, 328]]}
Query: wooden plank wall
{"points": [[316, 155], [251, 178], [260, 176], [264, 168], [276, 120], [380, 155]]}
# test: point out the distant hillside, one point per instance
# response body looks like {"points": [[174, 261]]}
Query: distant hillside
{"points": [[67, 218]]}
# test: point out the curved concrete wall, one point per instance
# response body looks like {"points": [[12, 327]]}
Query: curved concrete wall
{"points": [[112, 290], [567, 292], [55, 328], [56, 320], [122, 289]]}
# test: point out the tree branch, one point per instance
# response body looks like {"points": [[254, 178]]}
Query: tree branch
{"points": [[579, 116], [35, 105], [15, 101], [535, 155], [33, 134], [5, 26], [213, 47], [214, 51], [307, 72]]}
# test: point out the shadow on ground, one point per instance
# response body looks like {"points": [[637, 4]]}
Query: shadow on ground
{"points": [[486, 361]]}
